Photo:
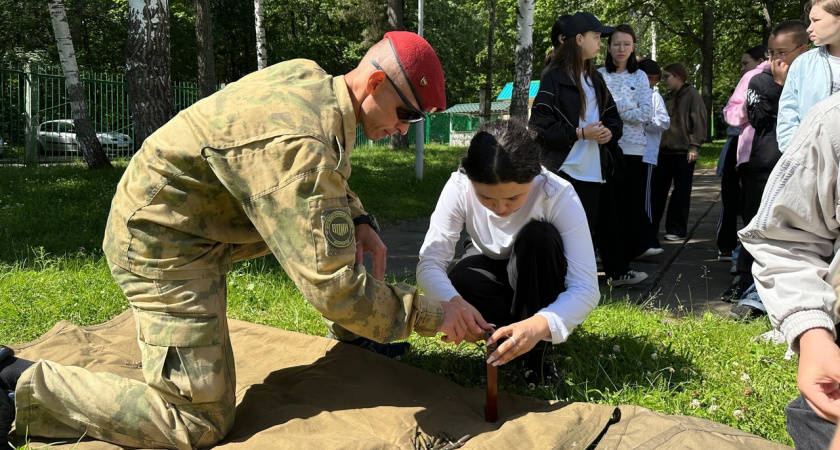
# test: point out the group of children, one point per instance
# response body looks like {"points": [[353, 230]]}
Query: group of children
{"points": [[537, 200], [529, 263]]}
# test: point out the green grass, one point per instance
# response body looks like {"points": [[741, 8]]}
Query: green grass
{"points": [[709, 154], [51, 268]]}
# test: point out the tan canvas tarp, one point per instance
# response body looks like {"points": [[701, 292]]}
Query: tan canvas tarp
{"points": [[300, 391]]}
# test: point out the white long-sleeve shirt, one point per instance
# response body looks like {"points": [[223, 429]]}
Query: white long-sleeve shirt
{"points": [[552, 200], [653, 129]]}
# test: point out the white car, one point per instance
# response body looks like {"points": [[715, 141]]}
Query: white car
{"points": [[60, 136]]}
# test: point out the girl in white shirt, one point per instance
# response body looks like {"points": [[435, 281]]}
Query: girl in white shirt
{"points": [[630, 88], [529, 265]]}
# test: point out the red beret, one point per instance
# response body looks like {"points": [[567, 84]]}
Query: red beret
{"points": [[422, 67]]}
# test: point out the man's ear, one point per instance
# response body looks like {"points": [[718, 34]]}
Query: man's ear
{"points": [[375, 79]]}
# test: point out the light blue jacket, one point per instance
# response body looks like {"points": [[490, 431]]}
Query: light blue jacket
{"points": [[808, 82]]}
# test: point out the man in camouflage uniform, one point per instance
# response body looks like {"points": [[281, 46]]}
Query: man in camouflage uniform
{"points": [[261, 166]]}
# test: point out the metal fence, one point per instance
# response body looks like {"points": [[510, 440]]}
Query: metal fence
{"points": [[32, 95]]}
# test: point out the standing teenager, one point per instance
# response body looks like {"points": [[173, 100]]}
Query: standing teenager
{"points": [[815, 75], [529, 265], [631, 91], [575, 118], [654, 128], [734, 152], [678, 152]]}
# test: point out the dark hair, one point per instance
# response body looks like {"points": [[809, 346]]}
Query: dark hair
{"points": [[503, 151], [557, 29], [570, 58], [632, 63], [650, 67], [678, 70], [757, 53], [796, 27]]}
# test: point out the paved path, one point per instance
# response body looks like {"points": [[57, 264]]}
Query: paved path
{"points": [[686, 278]]}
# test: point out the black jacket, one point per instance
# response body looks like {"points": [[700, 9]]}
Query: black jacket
{"points": [[555, 116], [762, 108]]}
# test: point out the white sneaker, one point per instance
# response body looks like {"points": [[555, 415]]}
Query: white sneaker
{"points": [[673, 237], [631, 277], [653, 251]]}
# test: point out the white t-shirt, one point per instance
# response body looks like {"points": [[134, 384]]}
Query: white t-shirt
{"points": [[834, 64], [551, 199], [584, 160]]}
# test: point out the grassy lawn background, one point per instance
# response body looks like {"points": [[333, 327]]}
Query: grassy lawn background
{"points": [[51, 268]]}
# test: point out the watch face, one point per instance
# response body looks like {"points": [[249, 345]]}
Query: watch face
{"points": [[373, 223]]}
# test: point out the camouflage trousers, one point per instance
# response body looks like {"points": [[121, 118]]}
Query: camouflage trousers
{"points": [[188, 397]]}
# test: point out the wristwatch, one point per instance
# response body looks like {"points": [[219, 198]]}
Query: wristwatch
{"points": [[368, 219]]}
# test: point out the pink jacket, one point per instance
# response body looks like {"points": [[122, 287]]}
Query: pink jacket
{"points": [[735, 113]]}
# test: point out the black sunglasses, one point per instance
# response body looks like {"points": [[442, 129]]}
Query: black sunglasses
{"points": [[409, 114]]}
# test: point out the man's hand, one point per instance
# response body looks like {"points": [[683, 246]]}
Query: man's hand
{"points": [[461, 321], [691, 156], [779, 68], [367, 241], [819, 372]]}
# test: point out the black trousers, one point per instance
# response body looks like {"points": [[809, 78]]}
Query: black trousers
{"points": [[637, 234], [752, 188], [676, 169], [538, 265], [730, 200], [600, 205]]}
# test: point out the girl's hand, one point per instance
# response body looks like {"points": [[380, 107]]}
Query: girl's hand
{"points": [[603, 135], [692, 156], [521, 337]]}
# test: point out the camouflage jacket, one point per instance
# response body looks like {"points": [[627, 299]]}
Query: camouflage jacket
{"points": [[261, 166]]}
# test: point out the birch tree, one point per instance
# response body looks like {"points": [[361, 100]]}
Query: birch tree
{"points": [[89, 144], [148, 66], [524, 53], [204, 44], [259, 18]]}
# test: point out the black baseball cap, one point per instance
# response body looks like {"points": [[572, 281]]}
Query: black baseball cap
{"points": [[581, 22]]}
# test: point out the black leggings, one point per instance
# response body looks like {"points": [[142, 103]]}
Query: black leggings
{"points": [[538, 265]]}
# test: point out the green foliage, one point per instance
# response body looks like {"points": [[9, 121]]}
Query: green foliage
{"points": [[377, 169]]}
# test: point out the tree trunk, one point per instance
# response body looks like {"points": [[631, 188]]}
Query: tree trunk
{"points": [[148, 67], [259, 17], [708, 52], [204, 42], [395, 23], [89, 144], [396, 13], [524, 53], [767, 13], [486, 97]]}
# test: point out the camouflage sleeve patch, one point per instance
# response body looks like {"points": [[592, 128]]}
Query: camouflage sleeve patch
{"points": [[337, 226], [332, 232]]}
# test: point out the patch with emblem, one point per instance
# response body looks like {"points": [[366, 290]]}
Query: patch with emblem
{"points": [[337, 227]]}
